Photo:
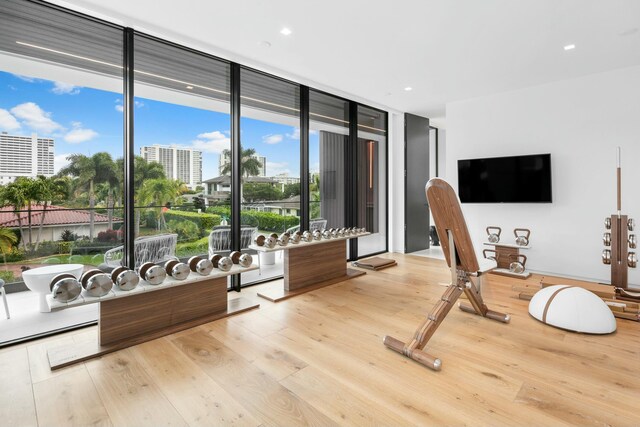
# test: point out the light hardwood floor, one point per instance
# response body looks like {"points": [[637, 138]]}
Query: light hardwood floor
{"points": [[318, 359]]}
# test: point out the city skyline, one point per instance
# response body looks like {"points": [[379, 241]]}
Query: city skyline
{"points": [[85, 121]]}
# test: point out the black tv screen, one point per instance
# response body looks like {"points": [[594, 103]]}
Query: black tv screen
{"points": [[517, 179]]}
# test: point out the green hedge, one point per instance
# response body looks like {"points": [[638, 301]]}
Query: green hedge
{"points": [[199, 247], [266, 221], [204, 221]]}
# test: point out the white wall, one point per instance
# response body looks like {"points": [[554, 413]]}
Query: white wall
{"points": [[396, 182], [580, 122]]}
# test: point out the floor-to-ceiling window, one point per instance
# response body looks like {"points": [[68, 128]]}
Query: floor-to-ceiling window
{"points": [[328, 141], [66, 131], [372, 179], [61, 144], [270, 161], [182, 139]]}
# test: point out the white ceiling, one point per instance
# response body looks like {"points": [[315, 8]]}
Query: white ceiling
{"points": [[446, 50]]}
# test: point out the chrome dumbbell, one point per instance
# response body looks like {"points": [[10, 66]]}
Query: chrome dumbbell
{"points": [[243, 260], [222, 263], [607, 223], [283, 239], [326, 234], [176, 269], [306, 236], [632, 260], [606, 239], [200, 265], [606, 256], [124, 278], [96, 283], [260, 240], [335, 233], [317, 235], [65, 287], [295, 238], [632, 241], [631, 224], [151, 273]]}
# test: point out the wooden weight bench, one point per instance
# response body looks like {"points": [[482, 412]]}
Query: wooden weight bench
{"points": [[461, 258]]}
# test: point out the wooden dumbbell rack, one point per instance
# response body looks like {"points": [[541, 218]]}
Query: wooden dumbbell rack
{"points": [[505, 254], [618, 227]]}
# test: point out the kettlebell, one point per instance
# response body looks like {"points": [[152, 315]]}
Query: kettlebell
{"points": [[606, 256], [202, 266], [518, 264], [176, 269], [493, 236], [492, 254], [632, 240], [632, 260], [96, 283], [222, 263], [606, 239], [65, 287], [124, 278], [152, 274], [522, 236]]}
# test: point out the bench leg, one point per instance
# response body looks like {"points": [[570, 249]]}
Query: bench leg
{"points": [[6, 306]]}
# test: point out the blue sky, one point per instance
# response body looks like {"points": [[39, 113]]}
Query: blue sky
{"points": [[84, 120]]}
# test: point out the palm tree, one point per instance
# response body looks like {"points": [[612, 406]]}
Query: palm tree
{"points": [[249, 165], [48, 190], [15, 195], [143, 171], [7, 240], [90, 171], [158, 193]]}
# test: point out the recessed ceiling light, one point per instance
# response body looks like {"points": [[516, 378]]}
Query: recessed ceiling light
{"points": [[570, 47], [408, 88], [189, 87], [264, 43], [285, 31]]}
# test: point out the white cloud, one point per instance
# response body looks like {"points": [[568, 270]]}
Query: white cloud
{"points": [[7, 121], [272, 139], [35, 118], [295, 134], [212, 142], [61, 88], [25, 78], [79, 134], [60, 161], [216, 134], [276, 168], [120, 108]]}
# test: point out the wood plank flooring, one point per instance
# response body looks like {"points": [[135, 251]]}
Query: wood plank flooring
{"points": [[318, 359]]}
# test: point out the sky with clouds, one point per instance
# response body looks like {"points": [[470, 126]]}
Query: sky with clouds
{"points": [[84, 120]]}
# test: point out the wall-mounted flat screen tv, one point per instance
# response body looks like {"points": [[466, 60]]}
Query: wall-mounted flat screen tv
{"points": [[517, 179]]}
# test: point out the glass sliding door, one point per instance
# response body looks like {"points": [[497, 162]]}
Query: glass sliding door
{"points": [[270, 162], [181, 122], [372, 180], [61, 138]]}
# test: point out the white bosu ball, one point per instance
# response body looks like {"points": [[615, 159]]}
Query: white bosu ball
{"points": [[572, 308]]}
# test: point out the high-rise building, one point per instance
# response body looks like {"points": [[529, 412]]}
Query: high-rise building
{"points": [[184, 164], [223, 160], [25, 156]]}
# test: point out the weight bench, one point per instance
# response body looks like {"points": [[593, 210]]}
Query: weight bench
{"points": [[461, 258]]}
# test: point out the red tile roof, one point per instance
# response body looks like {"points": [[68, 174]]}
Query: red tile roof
{"points": [[55, 215]]}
